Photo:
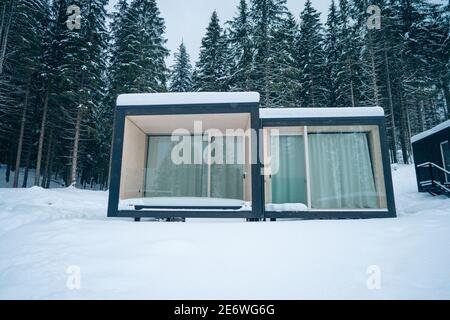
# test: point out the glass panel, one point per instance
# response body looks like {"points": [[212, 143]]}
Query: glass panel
{"points": [[446, 159], [165, 178], [227, 167], [288, 181], [158, 172], [346, 168]]}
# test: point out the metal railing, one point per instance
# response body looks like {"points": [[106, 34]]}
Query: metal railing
{"points": [[434, 176]]}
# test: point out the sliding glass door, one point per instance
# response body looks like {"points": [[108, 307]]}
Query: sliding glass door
{"points": [[341, 171], [214, 170], [288, 174], [165, 178], [445, 152], [227, 172], [326, 167]]}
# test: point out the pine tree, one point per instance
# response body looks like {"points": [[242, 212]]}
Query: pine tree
{"points": [[433, 34], [181, 74], [54, 112], [403, 66], [81, 71], [24, 49], [267, 17], [119, 55], [210, 71], [332, 54], [49, 62], [137, 50], [144, 59], [374, 65], [240, 49], [8, 10], [311, 59], [137, 53], [349, 46], [284, 79], [369, 62]]}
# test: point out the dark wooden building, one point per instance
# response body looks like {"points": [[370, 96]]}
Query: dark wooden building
{"points": [[431, 150]]}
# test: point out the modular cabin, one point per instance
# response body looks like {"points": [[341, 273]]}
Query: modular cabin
{"points": [[431, 152], [332, 161], [219, 155]]}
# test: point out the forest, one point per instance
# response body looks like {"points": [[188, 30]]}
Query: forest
{"points": [[59, 83]]}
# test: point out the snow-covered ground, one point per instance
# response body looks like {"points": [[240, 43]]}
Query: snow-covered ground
{"points": [[50, 239]]}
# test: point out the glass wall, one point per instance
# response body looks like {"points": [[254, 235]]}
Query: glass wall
{"points": [[445, 152], [165, 178], [327, 168], [214, 169], [188, 160], [288, 173], [227, 171]]}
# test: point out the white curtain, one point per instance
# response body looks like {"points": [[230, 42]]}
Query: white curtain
{"points": [[288, 181], [227, 177], [341, 171], [164, 178]]}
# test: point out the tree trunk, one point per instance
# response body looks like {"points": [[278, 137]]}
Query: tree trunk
{"points": [[421, 116], [41, 138], [8, 166], [46, 179], [5, 34], [391, 105], [374, 72], [21, 134], [352, 89], [56, 171], [403, 128], [73, 170], [2, 24], [267, 83], [313, 94], [27, 166], [408, 131]]}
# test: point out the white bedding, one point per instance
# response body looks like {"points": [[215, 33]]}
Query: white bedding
{"points": [[128, 204], [279, 207]]}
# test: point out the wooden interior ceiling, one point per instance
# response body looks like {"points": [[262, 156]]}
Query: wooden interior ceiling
{"points": [[166, 124]]}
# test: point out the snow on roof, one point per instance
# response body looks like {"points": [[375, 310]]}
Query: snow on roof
{"points": [[436, 129], [276, 113], [174, 98]]}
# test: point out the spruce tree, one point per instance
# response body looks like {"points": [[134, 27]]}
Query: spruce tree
{"points": [[332, 55], [267, 17], [349, 46], [145, 53], [284, 79], [119, 55], [240, 49], [311, 59], [211, 70], [23, 52], [137, 52], [181, 73]]}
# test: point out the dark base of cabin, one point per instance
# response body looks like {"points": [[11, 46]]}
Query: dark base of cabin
{"points": [[250, 217]]}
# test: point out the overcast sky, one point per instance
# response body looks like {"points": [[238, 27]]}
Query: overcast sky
{"points": [[188, 19]]}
